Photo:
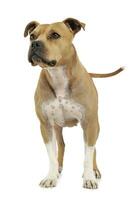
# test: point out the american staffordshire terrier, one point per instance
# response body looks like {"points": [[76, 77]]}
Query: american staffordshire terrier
{"points": [[65, 95]]}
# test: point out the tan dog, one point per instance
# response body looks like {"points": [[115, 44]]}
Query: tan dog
{"points": [[65, 95]]}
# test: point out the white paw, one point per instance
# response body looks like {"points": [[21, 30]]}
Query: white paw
{"points": [[89, 180], [50, 181], [90, 184], [46, 183]]}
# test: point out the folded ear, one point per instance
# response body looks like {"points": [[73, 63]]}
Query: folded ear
{"points": [[30, 27], [74, 25]]}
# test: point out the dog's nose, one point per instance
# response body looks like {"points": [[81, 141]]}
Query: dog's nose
{"points": [[36, 44]]}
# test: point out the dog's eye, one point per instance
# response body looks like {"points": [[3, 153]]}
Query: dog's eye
{"points": [[54, 35], [32, 37]]}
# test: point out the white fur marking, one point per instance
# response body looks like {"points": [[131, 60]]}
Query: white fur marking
{"points": [[62, 108], [52, 153], [60, 81], [89, 180], [51, 178], [60, 111]]}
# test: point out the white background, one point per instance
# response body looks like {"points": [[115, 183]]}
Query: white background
{"points": [[110, 41]]}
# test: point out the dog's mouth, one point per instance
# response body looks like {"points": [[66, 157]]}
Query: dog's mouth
{"points": [[36, 59]]}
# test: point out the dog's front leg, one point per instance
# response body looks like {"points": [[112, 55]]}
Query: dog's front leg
{"points": [[50, 141], [89, 180], [91, 130]]}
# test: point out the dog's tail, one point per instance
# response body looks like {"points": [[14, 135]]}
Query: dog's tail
{"points": [[93, 75]]}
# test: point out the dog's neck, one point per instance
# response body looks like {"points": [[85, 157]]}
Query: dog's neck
{"points": [[61, 78], [57, 77]]}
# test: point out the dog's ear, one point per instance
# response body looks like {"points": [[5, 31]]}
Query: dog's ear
{"points": [[74, 25], [30, 27]]}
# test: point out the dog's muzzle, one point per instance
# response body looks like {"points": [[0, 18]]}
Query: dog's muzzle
{"points": [[36, 52]]}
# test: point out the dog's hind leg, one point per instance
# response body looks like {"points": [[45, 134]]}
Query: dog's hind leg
{"points": [[95, 168], [61, 146]]}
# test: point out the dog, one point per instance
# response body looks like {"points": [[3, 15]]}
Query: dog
{"points": [[65, 95]]}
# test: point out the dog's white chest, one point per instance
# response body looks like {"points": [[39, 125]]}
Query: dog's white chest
{"points": [[62, 108]]}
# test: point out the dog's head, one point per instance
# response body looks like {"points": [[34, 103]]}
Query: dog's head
{"points": [[50, 44]]}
